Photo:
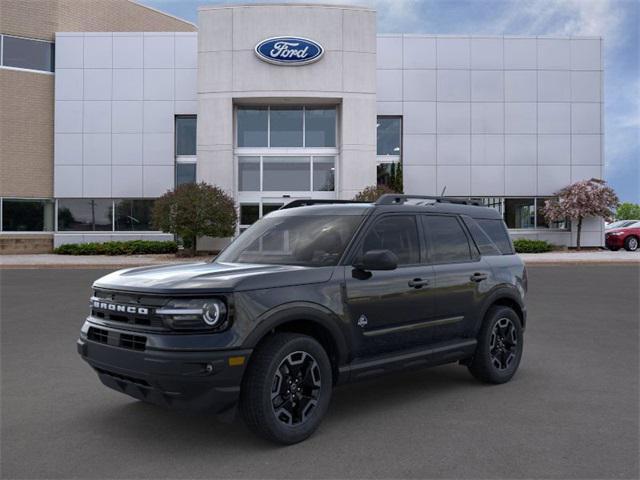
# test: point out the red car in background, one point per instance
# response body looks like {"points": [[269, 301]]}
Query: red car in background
{"points": [[626, 237]]}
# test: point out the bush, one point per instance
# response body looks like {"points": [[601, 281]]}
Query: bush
{"points": [[524, 245], [132, 247], [372, 193]]}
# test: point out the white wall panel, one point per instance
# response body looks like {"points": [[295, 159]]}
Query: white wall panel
{"points": [[586, 54], [419, 52], [419, 117], [68, 116], [586, 150], [96, 149], [520, 149], [158, 84], [487, 149], [453, 52], [419, 149], [487, 117], [126, 149], [420, 180], [453, 85], [454, 117], [68, 84], [67, 181], [454, 149], [158, 51], [554, 54], [98, 51], [487, 53], [69, 50], [126, 117], [128, 84], [389, 52], [520, 118], [487, 85], [158, 149], [520, 53], [158, 117], [585, 118], [96, 181], [156, 180], [554, 149], [521, 85], [456, 179], [585, 86], [96, 116], [126, 181], [554, 118], [552, 178], [97, 84], [389, 85], [554, 86], [419, 85], [68, 149], [520, 180], [487, 180], [127, 51]]}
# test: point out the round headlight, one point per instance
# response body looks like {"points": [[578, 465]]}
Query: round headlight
{"points": [[213, 312]]}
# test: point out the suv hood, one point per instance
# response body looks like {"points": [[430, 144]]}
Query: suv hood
{"points": [[206, 277]]}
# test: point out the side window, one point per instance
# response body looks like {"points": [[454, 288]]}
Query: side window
{"points": [[447, 241], [398, 233], [484, 243], [497, 232]]}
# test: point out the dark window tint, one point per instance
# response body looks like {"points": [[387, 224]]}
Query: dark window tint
{"points": [[25, 53], [481, 238], [253, 127], [320, 127], [84, 214], [249, 213], [134, 215], [185, 173], [324, 174], [398, 234], [389, 132], [27, 215], [447, 240], [186, 135], [497, 232]]}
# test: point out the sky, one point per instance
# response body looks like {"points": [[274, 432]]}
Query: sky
{"points": [[617, 21]]}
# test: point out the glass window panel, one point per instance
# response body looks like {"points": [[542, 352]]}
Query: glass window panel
{"points": [[249, 174], [84, 214], [542, 221], [133, 215], [389, 132], [286, 174], [186, 135], [481, 238], [447, 240], [497, 232], [249, 213], [398, 234], [492, 202], [270, 207], [324, 169], [26, 53], [185, 173], [285, 124], [22, 215], [519, 212], [252, 126], [320, 127]]}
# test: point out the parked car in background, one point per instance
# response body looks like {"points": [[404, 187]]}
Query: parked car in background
{"points": [[627, 237], [620, 224]]}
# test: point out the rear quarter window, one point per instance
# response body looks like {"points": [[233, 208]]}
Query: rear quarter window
{"points": [[497, 232]]}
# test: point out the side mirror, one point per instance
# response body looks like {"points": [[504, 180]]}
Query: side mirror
{"points": [[377, 260]]}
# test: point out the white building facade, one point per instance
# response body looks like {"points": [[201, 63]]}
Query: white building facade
{"points": [[506, 120]]}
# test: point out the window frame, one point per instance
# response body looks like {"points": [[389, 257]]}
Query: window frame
{"points": [[54, 221], [22, 69]]}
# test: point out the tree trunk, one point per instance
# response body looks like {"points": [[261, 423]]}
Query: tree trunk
{"points": [[579, 231], [194, 246]]}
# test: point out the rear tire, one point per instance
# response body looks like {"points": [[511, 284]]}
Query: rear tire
{"points": [[499, 349], [631, 243], [287, 388]]}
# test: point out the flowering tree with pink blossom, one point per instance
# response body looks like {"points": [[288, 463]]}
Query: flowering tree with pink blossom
{"points": [[586, 198]]}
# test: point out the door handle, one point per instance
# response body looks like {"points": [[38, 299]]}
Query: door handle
{"points": [[478, 277], [418, 283]]}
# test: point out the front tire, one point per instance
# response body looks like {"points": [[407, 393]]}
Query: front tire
{"points": [[287, 388], [631, 244], [499, 349]]}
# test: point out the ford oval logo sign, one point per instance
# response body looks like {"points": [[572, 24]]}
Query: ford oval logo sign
{"points": [[289, 51]]}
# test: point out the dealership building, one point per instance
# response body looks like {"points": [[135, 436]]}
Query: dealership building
{"points": [[120, 103]]}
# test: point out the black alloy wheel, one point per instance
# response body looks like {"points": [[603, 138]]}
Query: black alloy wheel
{"points": [[296, 388], [504, 344]]}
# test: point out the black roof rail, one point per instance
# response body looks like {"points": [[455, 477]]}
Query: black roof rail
{"points": [[310, 201], [399, 199]]}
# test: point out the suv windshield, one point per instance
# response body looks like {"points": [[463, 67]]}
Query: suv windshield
{"points": [[310, 240]]}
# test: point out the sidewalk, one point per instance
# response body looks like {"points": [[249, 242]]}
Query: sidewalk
{"points": [[113, 262]]}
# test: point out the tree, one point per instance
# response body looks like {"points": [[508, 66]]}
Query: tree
{"points": [[372, 193], [195, 210], [628, 211], [586, 198]]}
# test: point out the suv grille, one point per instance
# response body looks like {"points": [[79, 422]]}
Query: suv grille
{"points": [[135, 311], [122, 340]]}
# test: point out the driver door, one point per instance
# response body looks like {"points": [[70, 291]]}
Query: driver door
{"points": [[388, 309]]}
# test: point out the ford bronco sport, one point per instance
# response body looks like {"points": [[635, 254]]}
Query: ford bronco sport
{"points": [[313, 295]]}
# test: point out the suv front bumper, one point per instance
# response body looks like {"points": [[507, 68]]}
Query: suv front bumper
{"points": [[203, 379]]}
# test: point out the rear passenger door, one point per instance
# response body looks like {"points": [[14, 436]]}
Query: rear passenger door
{"points": [[460, 276]]}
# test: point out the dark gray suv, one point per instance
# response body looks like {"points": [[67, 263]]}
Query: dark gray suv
{"points": [[315, 294]]}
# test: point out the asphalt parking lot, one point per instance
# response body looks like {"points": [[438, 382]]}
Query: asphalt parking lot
{"points": [[570, 412]]}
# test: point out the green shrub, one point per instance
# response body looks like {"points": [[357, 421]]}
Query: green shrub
{"points": [[132, 247], [524, 245]]}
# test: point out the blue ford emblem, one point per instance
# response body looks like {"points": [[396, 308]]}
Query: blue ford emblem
{"points": [[289, 50]]}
